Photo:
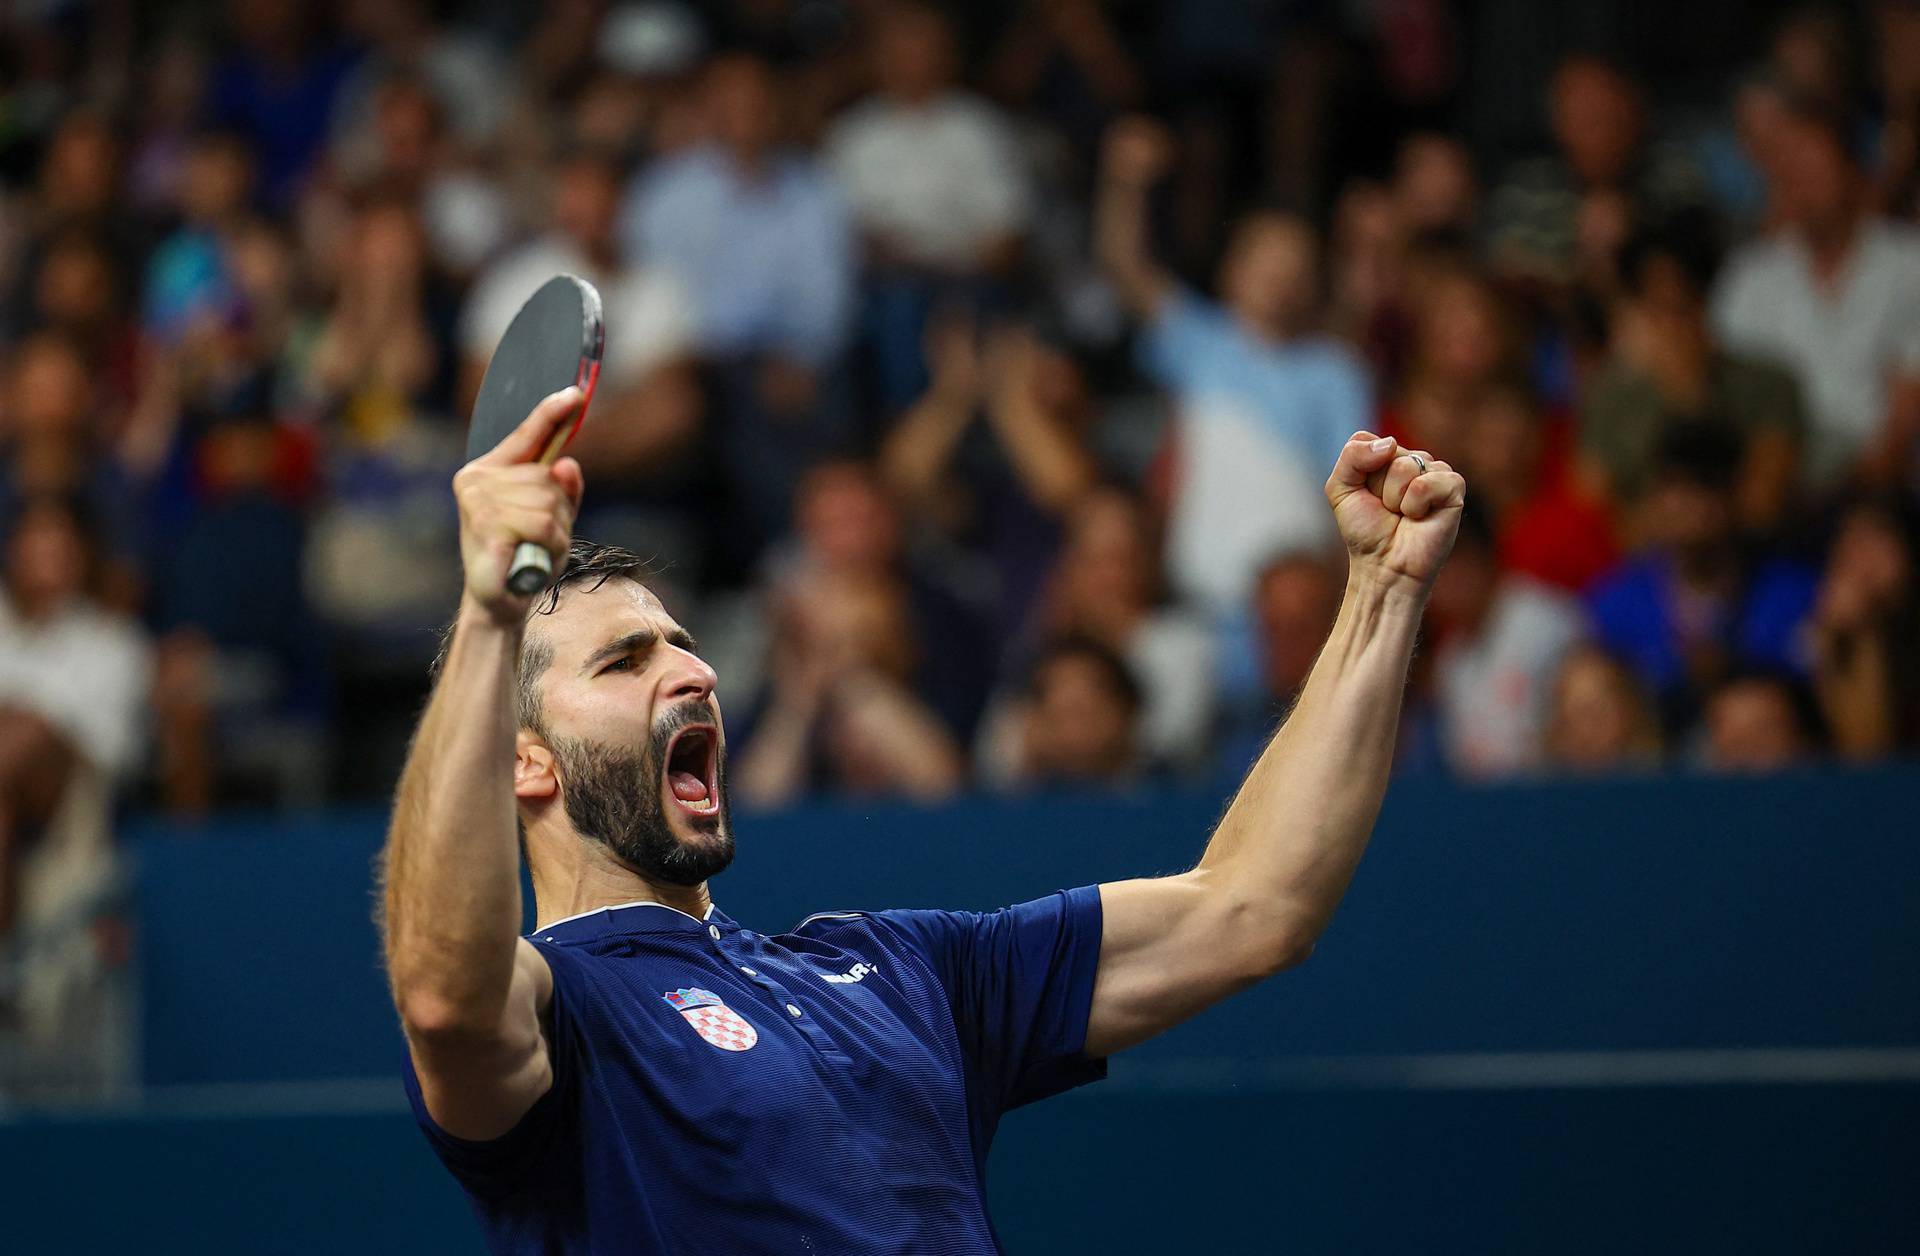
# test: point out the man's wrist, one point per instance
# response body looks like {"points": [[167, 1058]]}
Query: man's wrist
{"points": [[1386, 594]]}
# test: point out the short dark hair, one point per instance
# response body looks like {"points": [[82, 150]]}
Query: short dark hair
{"points": [[1113, 669], [588, 564], [1704, 455], [1688, 238]]}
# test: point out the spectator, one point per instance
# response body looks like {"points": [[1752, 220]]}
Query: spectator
{"points": [[278, 87], [1104, 588], [1667, 369], [1501, 636], [998, 486], [1295, 599], [753, 229], [1695, 606], [1600, 717], [1559, 219], [939, 187], [1866, 624], [74, 679], [1263, 404], [759, 237], [1835, 296], [1465, 340], [1761, 722], [1548, 526], [1080, 722], [841, 715], [649, 405], [847, 531], [934, 174], [191, 290], [53, 447]]}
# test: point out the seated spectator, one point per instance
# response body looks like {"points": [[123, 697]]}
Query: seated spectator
{"points": [[995, 455], [1435, 188], [1835, 296], [939, 186], [1547, 525], [1666, 369], [1465, 340], [52, 445], [1761, 722], [1500, 638], [847, 530], [1866, 623], [382, 350], [1104, 588], [191, 289], [1079, 721], [242, 683], [934, 173], [1295, 599], [752, 228], [638, 451], [1559, 219], [1600, 717], [1694, 606], [74, 678], [841, 715], [78, 293], [278, 85], [1262, 403], [761, 240]]}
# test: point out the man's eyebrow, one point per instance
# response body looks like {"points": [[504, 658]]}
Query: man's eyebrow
{"points": [[638, 639]]}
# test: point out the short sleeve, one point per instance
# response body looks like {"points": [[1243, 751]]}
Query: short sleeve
{"points": [[1181, 339], [1020, 981], [518, 1161]]}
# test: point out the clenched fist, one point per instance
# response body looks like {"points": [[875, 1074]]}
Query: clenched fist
{"points": [[1397, 509], [507, 497]]}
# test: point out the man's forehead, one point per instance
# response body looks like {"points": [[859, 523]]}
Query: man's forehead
{"points": [[586, 618]]}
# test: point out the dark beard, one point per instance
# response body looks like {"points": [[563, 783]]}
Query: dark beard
{"points": [[616, 797]]}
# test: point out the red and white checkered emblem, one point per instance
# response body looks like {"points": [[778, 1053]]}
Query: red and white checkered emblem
{"points": [[712, 1019]]}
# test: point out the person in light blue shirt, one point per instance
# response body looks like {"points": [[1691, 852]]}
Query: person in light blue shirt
{"points": [[1262, 402], [758, 233]]}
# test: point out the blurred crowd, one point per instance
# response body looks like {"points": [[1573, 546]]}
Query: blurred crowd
{"points": [[972, 370]]}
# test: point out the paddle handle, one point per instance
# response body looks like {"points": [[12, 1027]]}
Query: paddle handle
{"points": [[532, 569], [532, 566]]}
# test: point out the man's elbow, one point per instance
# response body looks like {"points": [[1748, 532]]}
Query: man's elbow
{"points": [[1286, 948]]}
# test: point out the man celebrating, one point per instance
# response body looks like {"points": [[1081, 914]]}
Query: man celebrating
{"points": [[641, 1074]]}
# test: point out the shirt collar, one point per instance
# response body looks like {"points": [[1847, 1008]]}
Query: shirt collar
{"points": [[640, 916]]}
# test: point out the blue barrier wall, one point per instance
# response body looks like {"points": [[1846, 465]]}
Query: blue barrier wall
{"points": [[1645, 1015]]}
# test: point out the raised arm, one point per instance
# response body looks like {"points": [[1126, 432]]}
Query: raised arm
{"points": [[1282, 856], [471, 993], [1137, 153]]}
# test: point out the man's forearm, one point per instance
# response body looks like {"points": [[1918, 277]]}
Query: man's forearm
{"points": [[1120, 239], [1290, 841], [452, 893]]}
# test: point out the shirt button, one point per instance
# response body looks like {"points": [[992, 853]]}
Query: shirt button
{"points": [[794, 1010], [748, 971], [715, 931]]}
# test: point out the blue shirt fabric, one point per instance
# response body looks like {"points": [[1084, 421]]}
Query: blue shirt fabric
{"points": [[768, 255], [1310, 393], [831, 1090], [1633, 614]]}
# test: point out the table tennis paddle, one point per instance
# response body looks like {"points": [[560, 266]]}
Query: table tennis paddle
{"points": [[553, 342]]}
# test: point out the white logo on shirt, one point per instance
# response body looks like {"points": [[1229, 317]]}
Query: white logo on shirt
{"points": [[857, 973]]}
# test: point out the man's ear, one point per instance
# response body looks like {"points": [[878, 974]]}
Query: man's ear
{"points": [[534, 774]]}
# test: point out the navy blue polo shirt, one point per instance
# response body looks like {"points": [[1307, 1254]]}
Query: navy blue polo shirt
{"points": [[830, 1090]]}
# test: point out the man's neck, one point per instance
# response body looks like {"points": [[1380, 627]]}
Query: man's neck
{"points": [[590, 884], [1831, 243]]}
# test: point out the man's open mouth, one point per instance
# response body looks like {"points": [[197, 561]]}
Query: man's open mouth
{"points": [[690, 768]]}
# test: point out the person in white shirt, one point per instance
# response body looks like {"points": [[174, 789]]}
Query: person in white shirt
{"points": [[1835, 296], [74, 680], [1502, 636], [646, 404], [934, 174]]}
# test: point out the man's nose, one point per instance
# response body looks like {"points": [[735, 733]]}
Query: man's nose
{"points": [[690, 677]]}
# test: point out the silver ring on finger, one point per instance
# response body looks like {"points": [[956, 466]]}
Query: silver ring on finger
{"points": [[1419, 462]]}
